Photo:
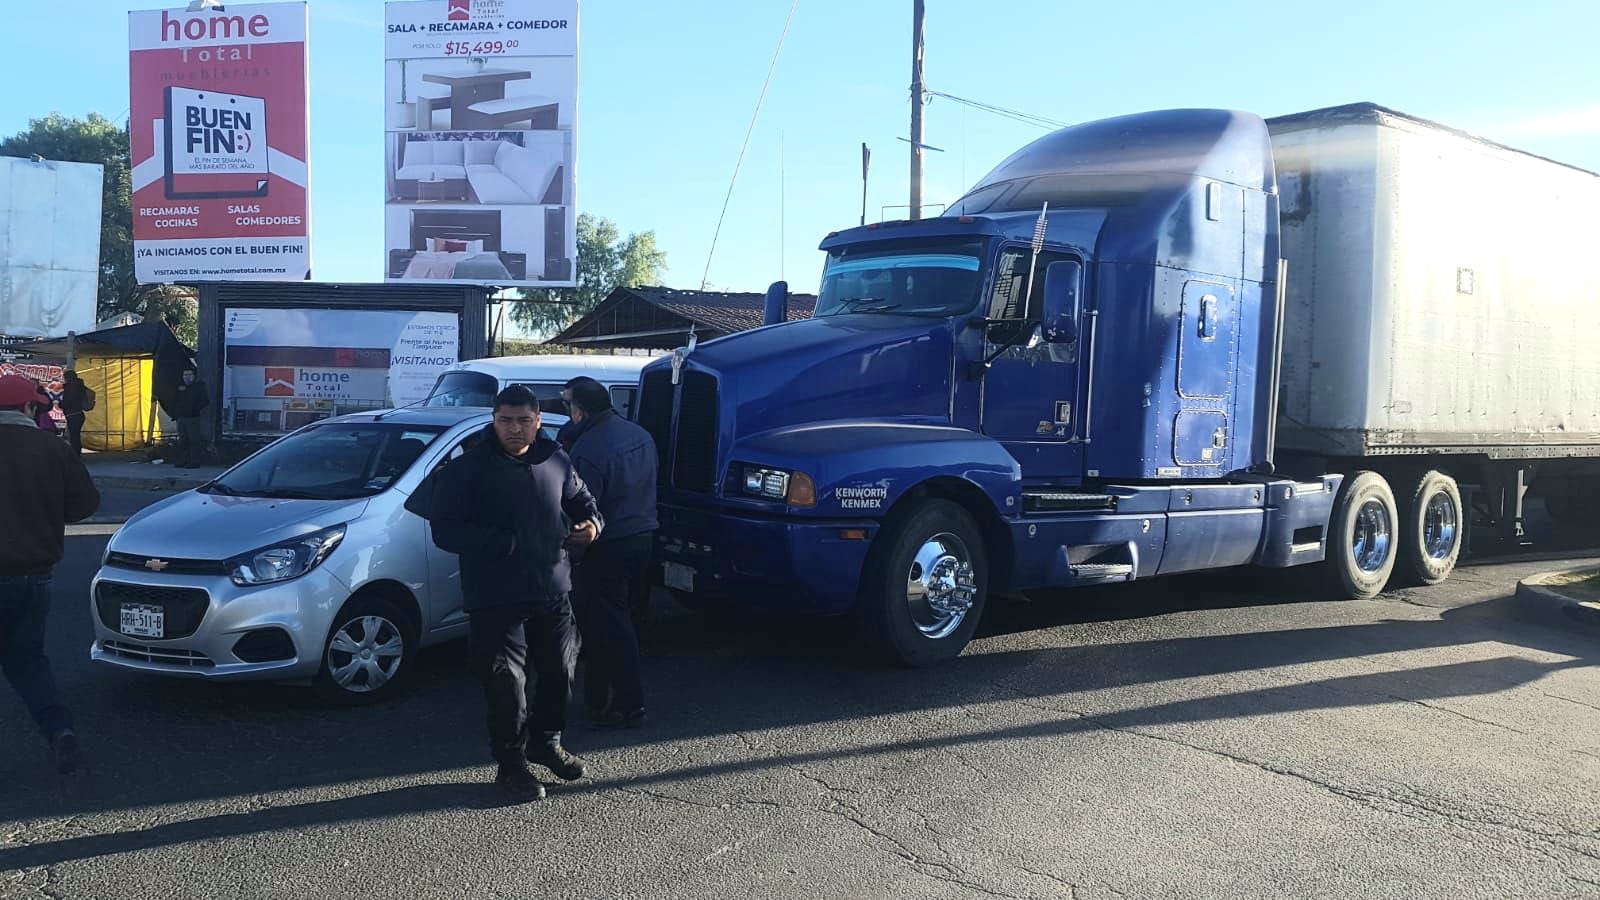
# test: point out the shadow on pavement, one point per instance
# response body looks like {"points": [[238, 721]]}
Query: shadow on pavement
{"points": [[153, 741]]}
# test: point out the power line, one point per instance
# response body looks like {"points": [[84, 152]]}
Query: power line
{"points": [[706, 277], [1012, 114]]}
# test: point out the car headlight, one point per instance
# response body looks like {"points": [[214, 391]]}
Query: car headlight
{"points": [[794, 488], [281, 562]]}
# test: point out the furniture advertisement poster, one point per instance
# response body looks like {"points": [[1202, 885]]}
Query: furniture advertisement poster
{"points": [[480, 140]]}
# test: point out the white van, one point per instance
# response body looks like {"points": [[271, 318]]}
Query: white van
{"points": [[475, 382]]}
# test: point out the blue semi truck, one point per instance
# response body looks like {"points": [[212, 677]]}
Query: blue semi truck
{"points": [[1161, 343]]}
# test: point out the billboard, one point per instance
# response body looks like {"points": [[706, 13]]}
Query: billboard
{"points": [[217, 128], [284, 368], [480, 142], [49, 247]]}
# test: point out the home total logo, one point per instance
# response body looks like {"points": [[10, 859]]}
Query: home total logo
{"points": [[279, 382], [459, 11]]}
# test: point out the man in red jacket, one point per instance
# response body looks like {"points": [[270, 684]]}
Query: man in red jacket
{"points": [[45, 486]]}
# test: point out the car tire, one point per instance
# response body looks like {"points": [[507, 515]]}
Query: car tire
{"points": [[925, 585], [373, 626]]}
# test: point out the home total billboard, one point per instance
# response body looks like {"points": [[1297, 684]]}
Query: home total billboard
{"points": [[218, 133], [480, 140]]}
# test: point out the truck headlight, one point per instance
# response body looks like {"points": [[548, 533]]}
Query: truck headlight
{"points": [[794, 488], [281, 562], [772, 484]]}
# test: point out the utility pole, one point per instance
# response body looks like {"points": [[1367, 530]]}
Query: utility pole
{"points": [[916, 108]]}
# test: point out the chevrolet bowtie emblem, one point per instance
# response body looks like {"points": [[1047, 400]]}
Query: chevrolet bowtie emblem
{"points": [[156, 565]]}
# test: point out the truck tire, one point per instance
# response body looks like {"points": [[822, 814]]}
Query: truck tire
{"points": [[1361, 537], [925, 585], [1431, 523]]}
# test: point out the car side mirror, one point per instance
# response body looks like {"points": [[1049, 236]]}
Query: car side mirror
{"points": [[1063, 290]]}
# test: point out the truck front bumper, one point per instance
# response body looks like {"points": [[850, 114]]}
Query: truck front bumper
{"points": [[765, 564]]}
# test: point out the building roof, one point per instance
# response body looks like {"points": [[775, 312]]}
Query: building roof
{"points": [[660, 318]]}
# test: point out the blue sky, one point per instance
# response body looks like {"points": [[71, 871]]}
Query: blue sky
{"points": [[666, 92]]}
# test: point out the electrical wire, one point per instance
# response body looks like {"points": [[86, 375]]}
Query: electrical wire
{"points": [[706, 277], [1012, 114]]}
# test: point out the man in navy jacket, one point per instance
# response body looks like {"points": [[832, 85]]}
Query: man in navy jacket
{"points": [[508, 508], [617, 460]]}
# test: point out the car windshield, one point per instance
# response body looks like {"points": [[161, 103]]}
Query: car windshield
{"points": [[908, 281], [329, 462], [463, 389]]}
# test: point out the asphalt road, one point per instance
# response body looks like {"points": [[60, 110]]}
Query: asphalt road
{"points": [[1198, 737]]}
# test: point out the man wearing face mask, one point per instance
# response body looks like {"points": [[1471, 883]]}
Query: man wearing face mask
{"points": [[617, 461], [44, 486]]}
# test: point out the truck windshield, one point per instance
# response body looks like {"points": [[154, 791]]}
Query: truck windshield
{"points": [[924, 281]]}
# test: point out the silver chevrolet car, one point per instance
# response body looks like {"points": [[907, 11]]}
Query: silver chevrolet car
{"points": [[300, 563]]}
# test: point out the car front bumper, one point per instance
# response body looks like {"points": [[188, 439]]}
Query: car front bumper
{"points": [[302, 608]]}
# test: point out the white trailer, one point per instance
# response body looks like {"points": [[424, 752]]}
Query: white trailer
{"points": [[1441, 309]]}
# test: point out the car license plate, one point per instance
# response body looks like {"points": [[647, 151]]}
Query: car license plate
{"points": [[144, 620], [679, 577]]}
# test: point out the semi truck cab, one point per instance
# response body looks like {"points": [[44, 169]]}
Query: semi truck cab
{"points": [[1068, 379]]}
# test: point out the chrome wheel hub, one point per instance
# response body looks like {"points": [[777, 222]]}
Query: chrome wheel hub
{"points": [[1439, 526], [1372, 537], [365, 654], [941, 586]]}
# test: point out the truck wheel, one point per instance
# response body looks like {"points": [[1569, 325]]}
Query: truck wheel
{"points": [[1431, 521], [1361, 533], [925, 585]]}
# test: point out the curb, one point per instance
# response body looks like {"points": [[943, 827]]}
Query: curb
{"points": [[1549, 605]]}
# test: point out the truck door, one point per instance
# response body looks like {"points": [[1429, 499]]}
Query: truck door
{"points": [[1030, 399]]}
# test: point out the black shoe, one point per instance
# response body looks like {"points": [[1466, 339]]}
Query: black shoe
{"points": [[555, 757], [618, 719], [519, 783], [64, 747]]}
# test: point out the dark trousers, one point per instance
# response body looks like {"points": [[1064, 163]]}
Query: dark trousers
{"points": [[189, 441], [75, 431], [506, 647], [608, 589], [24, 606]]}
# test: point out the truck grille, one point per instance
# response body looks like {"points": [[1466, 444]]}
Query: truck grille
{"points": [[183, 607], [655, 416], [694, 464], [687, 445]]}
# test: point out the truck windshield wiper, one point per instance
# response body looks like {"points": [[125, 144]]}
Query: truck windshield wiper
{"points": [[848, 300], [879, 308]]}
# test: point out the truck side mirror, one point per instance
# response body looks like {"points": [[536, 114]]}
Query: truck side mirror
{"points": [[1063, 288]]}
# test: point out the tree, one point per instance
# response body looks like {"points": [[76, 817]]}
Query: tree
{"points": [[97, 139], [606, 261]]}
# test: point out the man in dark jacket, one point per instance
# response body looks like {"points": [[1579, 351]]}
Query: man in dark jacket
{"points": [[74, 404], [508, 508], [617, 460], [189, 402], [44, 487]]}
